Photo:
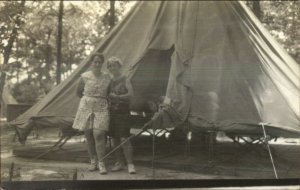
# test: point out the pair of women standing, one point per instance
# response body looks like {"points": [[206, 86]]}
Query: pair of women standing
{"points": [[104, 106]]}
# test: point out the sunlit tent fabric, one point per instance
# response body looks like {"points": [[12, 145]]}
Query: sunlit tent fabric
{"points": [[214, 61]]}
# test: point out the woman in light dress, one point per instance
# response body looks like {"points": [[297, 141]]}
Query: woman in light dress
{"points": [[93, 113]]}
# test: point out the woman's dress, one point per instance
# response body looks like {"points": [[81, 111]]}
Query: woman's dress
{"points": [[93, 112]]}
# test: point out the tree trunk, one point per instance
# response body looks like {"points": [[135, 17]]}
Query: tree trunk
{"points": [[256, 9], [48, 57], [112, 16], [18, 59], [8, 48], [59, 40], [293, 35]]}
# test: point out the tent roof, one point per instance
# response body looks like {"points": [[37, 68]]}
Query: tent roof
{"points": [[7, 98], [214, 61]]}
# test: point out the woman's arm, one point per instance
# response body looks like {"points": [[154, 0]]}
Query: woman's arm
{"points": [[80, 88]]}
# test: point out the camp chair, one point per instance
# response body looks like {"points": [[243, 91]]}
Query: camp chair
{"points": [[209, 141], [255, 141], [246, 139], [139, 119], [252, 143], [209, 134]]}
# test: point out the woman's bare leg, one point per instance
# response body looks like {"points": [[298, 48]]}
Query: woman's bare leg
{"points": [[118, 152], [99, 136], [90, 144], [127, 150]]}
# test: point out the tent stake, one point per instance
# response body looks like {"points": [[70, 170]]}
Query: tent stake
{"points": [[211, 136], [11, 171], [75, 174], [269, 150], [153, 152]]}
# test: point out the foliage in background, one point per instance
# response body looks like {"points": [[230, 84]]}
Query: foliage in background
{"points": [[282, 19], [25, 92], [33, 58]]}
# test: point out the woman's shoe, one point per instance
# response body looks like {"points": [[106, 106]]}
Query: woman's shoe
{"points": [[102, 168], [117, 167], [93, 166], [131, 169]]}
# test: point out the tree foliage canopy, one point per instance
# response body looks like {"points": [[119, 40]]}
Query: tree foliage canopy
{"points": [[33, 57], [282, 19]]}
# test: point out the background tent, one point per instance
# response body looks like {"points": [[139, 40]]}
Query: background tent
{"points": [[6, 99], [214, 61]]}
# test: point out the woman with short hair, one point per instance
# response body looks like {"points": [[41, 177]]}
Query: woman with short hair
{"points": [[119, 130]]}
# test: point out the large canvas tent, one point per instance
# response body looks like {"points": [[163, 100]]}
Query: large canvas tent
{"points": [[214, 61]]}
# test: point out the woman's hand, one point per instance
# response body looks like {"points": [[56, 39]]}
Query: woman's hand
{"points": [[113, 96]]}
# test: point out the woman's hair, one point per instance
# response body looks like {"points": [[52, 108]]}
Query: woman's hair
{"points": [[114, 60], [97, 55]]}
